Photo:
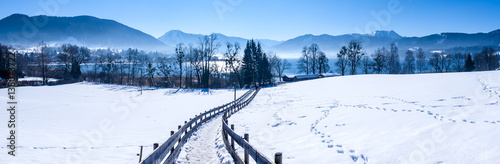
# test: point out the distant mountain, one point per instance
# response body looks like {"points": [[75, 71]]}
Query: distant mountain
{"points": [[331, 43], [386, 34], [18, 29], [23, 31], [454, 42], [173, 37]]}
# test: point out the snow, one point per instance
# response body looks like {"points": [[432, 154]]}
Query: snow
{"points": [[98, 123], [206, 145], [425, 118]]}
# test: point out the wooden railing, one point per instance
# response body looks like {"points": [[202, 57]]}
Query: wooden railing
{"points": [[243, 142], [170, 149]]}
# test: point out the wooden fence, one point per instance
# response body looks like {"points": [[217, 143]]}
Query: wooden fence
{"points": [[170, 149], [243, 142]]}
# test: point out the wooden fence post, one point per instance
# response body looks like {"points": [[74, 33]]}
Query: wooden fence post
{"points": [[181, 134], [155, 145], [185, 122], [246, 152], [277, 158], [171, 134], [232, 140], [140, 155]]}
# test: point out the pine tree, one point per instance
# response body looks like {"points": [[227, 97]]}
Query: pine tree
{"points": [[256, 67], [75, 70], [265, 67], [469, 64], [247, 69]]}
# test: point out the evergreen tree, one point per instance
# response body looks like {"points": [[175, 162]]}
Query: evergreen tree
{"points": [[247, 69], [75, 70], [256, 67], [258, 55], [469, 64], [265, 67]]}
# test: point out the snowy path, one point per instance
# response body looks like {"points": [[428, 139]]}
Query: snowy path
{"points": [[205, 145]]}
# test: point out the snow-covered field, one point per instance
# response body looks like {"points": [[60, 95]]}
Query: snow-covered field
{"points": [[426, 118], [95, 123]]}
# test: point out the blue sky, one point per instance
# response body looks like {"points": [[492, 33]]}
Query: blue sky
{"points": [[278, 19]]}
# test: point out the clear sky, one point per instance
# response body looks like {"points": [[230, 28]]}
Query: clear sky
{"points": [[277, 19]]}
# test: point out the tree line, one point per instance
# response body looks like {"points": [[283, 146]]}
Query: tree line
{"points": [[313, 61], [352, 59], [190, 66]]}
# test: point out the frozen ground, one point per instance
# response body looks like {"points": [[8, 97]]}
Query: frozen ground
{"points": [[94, 123], [427, 118]]}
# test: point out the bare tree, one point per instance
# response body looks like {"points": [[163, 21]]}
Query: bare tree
{"points": [[194, 58], [96, 66], [342, 60], [166, 68], [303, 63], [393, 63], [366, 64], [208, 49], [314, 53], [132, 63], [66, 58], [380, 60], [279, 65], [447, 63], [108, 67], [232, 62], [81, 57], [44, 59], [354, 55], [323, 65], [179, 54], [490, 58], [150, 72], [437, 62], [121, 66], [409, 63], [420, 60], [141, 64], [459, 61]]}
